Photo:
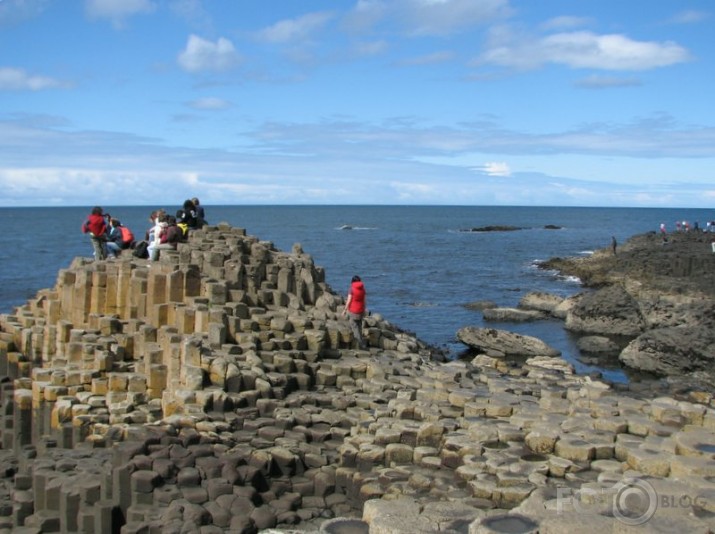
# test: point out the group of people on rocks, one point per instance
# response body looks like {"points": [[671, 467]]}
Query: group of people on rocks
{"points": [[684, 226], [109, 237], [107, 234]]}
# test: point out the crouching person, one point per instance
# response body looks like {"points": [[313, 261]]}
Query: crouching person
{"points": [[119, 238]]}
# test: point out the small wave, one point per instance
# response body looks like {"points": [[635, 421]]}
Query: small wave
{"points": [[571, 279], [351, 227], [587, 252]]}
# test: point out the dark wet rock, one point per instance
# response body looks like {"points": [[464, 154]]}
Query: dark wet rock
{"points": [[607, 311], [480, 305], [673, 350], [598, 345], [493, 228], [514, 315]]}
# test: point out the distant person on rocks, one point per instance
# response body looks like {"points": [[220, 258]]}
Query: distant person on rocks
{"points": [[677, 226], [152, 235], [96, 227], [200, 214], [115, 242], [119, 238], [355, 307], [182, 224], [614, 244], [169, 237], [662, 229], [187, 215]]}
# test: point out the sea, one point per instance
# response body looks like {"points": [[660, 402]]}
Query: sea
{"points": [[421, 265]]}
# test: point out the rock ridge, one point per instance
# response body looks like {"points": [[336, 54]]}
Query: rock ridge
{"points": [[657, 292]]}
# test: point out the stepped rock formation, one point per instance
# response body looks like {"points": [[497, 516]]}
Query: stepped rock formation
{"points": [[218, 390]]}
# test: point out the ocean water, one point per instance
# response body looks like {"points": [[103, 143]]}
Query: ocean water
{"points": [[419, 265]]}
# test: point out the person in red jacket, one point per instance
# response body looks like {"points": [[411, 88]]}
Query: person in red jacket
{"points": [[96, 227], [355, 308]]}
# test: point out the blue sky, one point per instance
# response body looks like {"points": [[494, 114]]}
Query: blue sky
{"points": [[454, 102]]}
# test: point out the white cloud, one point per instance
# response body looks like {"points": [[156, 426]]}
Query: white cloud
{"points": [[338, 162], [14, 11], [210, 103], [117, 11], [441, 17], [496, 168], [581, 50], [690, 16], [292, 30], [365, 15], [18, 80], [427, 17], [202, 55]]}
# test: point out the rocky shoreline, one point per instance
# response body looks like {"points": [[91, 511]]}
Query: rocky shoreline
{"points": [[658, 295], [218, 390]]}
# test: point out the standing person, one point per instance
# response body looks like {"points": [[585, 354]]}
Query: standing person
{"points": [[662, 229], [200, 214], [355, 307], [614, 244], [96, 227]]}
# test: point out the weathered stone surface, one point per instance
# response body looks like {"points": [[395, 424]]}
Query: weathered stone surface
{"points": [[231, 420], [607, 311], [672, 350], [512, 315], [502, 343], [662, 293], [540, 301]]}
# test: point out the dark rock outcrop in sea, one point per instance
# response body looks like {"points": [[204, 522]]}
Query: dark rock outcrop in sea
{"points": [[219, 390], [493, 228], [660, 293], [506, 228]]}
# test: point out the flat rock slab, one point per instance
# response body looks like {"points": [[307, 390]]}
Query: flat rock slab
{"points": [[503, 343]]}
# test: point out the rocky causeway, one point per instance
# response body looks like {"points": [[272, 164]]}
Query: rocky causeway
{"points": [[219, 390]]}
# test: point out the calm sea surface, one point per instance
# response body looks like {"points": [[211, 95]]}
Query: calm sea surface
{"points": [[419, 267]]}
